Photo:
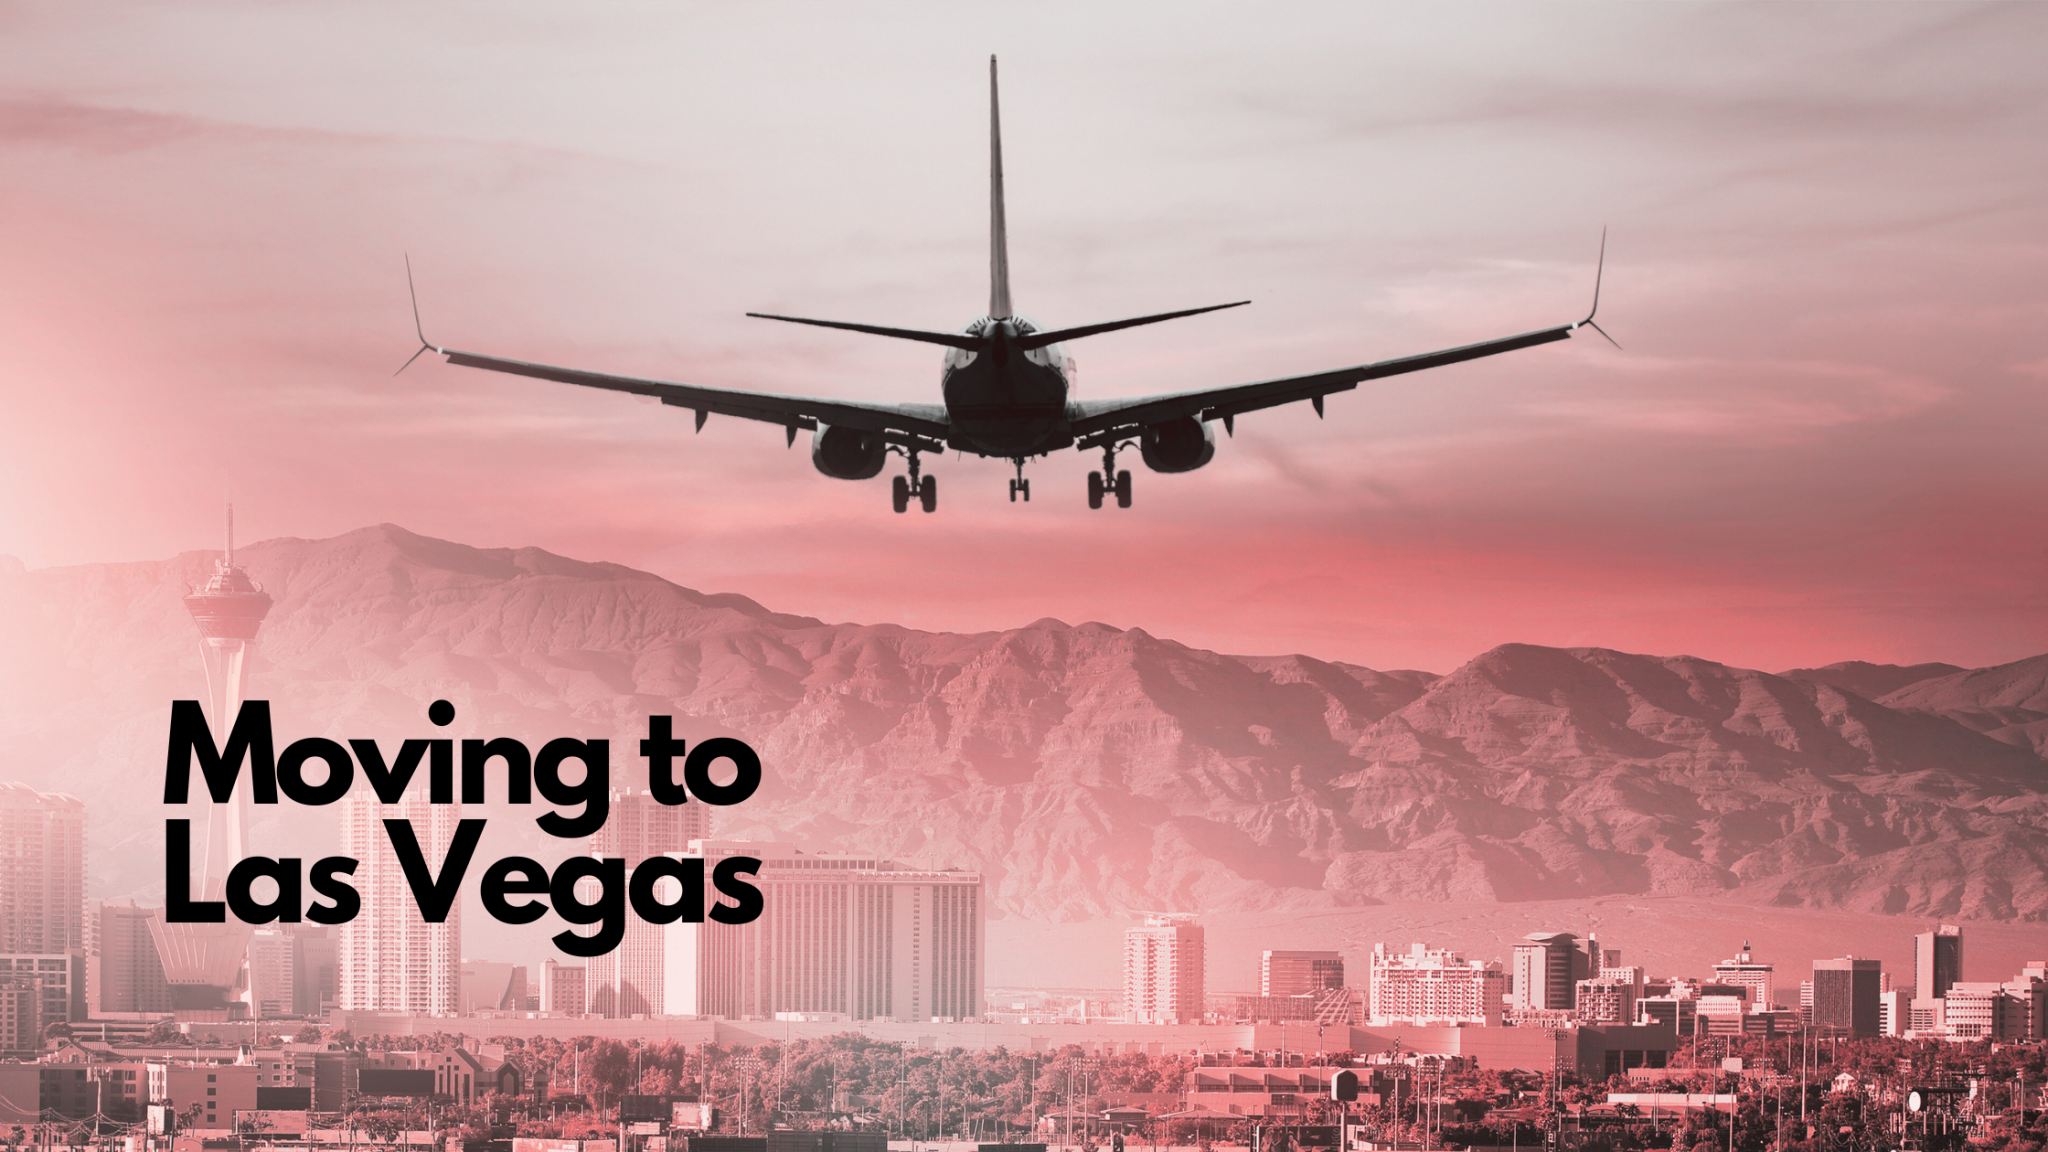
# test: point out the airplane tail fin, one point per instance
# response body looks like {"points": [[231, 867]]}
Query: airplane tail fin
{"points": [[998, 231]]}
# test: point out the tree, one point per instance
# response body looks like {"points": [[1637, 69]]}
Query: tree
{"points": [[164, 1032]]}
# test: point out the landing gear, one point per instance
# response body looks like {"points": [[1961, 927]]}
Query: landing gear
{"points": [[1020, 486], [925, 488], [1109, 481]]}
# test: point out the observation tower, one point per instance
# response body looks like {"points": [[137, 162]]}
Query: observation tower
{"points": [[204, 964], [228, 609]]}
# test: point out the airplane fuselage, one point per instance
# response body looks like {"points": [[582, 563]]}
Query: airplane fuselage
{"points": [[1004, 401], [1008, 390]]}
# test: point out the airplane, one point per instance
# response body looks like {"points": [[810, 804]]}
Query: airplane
{"points": [[1007, 389]]}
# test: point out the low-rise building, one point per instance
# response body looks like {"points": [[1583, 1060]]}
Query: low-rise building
{"points": [[205, 1095]]}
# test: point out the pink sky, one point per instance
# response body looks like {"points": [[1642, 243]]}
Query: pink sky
{"points": [[1829, 266]]}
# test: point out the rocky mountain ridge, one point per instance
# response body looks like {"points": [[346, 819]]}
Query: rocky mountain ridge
{"points": [[1087, 770]]}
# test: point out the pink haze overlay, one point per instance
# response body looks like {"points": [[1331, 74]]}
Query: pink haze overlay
{"points": [[1823, 440]]}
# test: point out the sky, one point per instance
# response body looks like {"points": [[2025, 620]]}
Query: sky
{"points": [[1827, 266]]}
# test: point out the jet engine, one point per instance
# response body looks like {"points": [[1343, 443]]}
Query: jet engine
{"points": [[1181, 445], [847, 453]]}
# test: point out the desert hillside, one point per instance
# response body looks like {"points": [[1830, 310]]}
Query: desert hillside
{"points": [[1088, 770]]}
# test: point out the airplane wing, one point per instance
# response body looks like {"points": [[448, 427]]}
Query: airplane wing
{"points": [[1103, 421], [915, 425]]}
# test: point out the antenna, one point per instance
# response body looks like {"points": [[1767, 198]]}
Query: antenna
{"points": [[998, 229], [228, 558], [1599, 271]]}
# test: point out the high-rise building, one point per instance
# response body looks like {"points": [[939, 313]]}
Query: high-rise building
{"points": [[1744, 970], [628, 980], [42, 871], [1299, 973], [639, 826], [1605, 1001], [59, 980], [561, 988], [1630, 974], [316, 983], [1431, 986], [273, 974], [1547, 968], [847, 937], [1845, 995], [1165, 960], [1937, 961], [123, 971], [392, 959], [21, 1018]]}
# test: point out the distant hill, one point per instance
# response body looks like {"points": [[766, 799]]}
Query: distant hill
{"points": [[1088, 770], [1868, 680]]}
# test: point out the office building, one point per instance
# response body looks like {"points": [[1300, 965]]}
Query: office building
{"points": [[123, 970], [1845, 995], [1299, 973], [1547, 969], [2031, 987], [1937, 961], [1426, 986], [1744, 970], [561, 988], [391, 958], [1894, 1011], [1165, 962], [42, 871], [1677, 1010], [839, 937], [1983, 1010]]}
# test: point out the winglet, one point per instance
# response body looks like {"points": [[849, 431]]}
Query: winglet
{"points": [[1599, 271], [425, 346], [998, 230]]}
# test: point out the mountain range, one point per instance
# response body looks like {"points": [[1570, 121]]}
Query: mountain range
{"points": [[1087, 770]]}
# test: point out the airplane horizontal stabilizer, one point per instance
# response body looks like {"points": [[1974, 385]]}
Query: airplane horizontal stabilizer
{"points": [[949, 339], [1041, 339]]}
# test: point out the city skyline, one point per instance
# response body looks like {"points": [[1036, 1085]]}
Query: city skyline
{"points": [[922, 950]]}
